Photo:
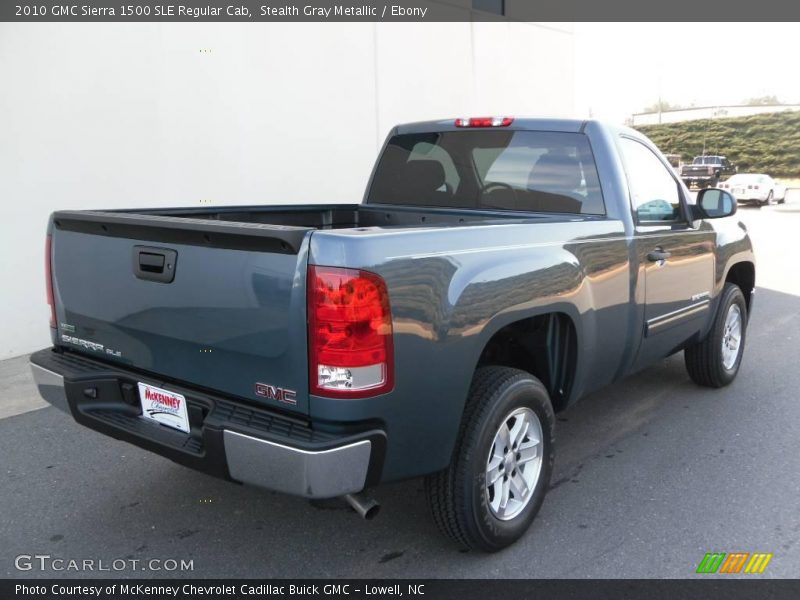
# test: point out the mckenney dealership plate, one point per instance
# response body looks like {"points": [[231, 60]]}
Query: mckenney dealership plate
{"points": [[164, 407]]}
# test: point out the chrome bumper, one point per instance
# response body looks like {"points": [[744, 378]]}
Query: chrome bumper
{"points": [[311, 474], [322, 474], [51, 387]]}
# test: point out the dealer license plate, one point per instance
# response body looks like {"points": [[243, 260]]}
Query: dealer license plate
{"points": [[164, 407]]}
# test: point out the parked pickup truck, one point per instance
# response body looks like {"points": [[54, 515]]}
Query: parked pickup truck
{"points": [[707, 171], [496, 271]]}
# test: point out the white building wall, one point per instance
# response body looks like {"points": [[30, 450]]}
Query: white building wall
{"points": [[147, 115]]}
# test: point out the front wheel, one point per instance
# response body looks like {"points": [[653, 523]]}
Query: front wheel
{"points": [[715, 361], [489, 495]]}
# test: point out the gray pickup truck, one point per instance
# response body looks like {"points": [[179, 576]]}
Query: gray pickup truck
{"points": [[496, 271]]}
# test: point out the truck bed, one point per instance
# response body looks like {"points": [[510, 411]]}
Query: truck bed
{"points": [[215, 296], [341, 216], [276, 228]]}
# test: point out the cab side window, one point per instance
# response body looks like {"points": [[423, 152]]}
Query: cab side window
{"points": [[655, 195]]}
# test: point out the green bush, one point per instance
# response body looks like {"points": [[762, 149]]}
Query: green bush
{"points": [[768, 143]]}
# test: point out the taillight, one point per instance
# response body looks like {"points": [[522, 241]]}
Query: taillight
{"points": [[485, 122], [349, 333], [755, 187], [48, 282]]}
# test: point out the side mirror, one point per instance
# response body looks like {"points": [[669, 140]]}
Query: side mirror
{"points": [[713, 203]]}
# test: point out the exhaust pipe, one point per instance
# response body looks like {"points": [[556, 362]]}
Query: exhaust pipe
{"points": [[365, 506]]}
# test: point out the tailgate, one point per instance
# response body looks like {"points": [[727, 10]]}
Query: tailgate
{"points": [[218, 305], [701, 170]]}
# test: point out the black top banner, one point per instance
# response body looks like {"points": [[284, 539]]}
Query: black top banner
{"points": [[399, 10]]}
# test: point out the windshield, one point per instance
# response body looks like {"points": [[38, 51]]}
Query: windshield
{"points": [[538, 171]]}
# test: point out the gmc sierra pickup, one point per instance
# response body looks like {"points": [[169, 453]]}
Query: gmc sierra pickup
{"points": [[497, 270]]}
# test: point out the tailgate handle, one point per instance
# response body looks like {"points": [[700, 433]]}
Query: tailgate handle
{"points": [[154, 264]]}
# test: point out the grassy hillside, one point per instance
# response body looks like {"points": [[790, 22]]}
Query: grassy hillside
{"points": [[768, 143]]}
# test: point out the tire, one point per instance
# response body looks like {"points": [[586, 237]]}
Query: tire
{"points": [[707, 362], [461, 501]]}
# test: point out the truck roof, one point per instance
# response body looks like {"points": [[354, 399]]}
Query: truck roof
{"points": [[522, 124], [518, 124]]}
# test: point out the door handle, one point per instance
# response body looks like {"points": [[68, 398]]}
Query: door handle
{"points": [[658, 255]]}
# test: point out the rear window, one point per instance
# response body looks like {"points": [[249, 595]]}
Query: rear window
{"points": [[499, 170], [707, 160]]}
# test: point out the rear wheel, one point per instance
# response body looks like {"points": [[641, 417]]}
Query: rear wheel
{"points": [[489, 495], [715, 361]]}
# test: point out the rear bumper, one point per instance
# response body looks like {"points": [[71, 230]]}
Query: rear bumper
{"points": [[308, 473], [228, 438], [51, 387], [698, 179]]}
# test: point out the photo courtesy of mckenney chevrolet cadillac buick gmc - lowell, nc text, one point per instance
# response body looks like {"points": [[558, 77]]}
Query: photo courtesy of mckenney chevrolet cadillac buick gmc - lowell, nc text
{"points": [[497, 270]]}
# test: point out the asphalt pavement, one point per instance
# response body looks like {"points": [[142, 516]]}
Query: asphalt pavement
{"points": [[651, 473]]}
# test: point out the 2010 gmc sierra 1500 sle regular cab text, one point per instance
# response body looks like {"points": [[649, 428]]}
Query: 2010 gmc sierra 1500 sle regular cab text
{"points": [[497, 270]]}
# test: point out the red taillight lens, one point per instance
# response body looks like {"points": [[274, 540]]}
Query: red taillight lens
{"points": [[48, 274], [349, 333], [485, 122], [755, 187]]}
